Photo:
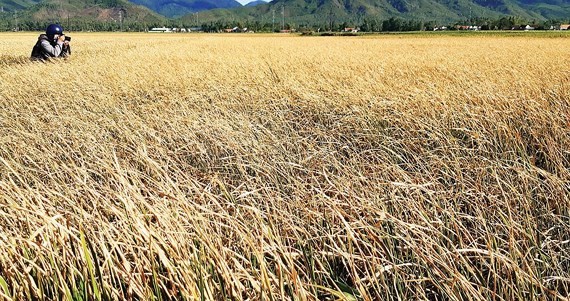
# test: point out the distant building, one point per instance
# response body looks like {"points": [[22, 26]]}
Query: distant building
{"points": [[351, 29], [235, 29], [160, 29], [565, 27]]}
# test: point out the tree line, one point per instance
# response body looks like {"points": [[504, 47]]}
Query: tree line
{"points": [[10, 22], [389, 25]]}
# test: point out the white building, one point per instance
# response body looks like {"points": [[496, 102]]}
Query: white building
{"points": [[160, 29]]}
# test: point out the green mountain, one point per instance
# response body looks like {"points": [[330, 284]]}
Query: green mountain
{"points": [[177, 8], [256, 3], [13, 5], [298, 12], [126, 15], [557, 9], [79, 15], [168, 8]]}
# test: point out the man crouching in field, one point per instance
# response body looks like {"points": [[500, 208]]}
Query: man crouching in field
{"points": [[51, 44]]}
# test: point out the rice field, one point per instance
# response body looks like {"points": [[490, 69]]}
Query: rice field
{"points": [[282, 167]]}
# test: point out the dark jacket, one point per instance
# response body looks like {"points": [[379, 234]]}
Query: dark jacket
{"points": [[46, 49]]}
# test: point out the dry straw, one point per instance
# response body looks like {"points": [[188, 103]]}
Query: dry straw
{"points": [[251, 167]]}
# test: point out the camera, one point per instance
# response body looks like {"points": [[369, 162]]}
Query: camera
{"points": [[68, 38]]}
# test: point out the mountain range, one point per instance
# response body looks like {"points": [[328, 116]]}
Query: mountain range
{"points": [[177, 8], [294, 11], [355, 11], [32, 13], [255, 3]]}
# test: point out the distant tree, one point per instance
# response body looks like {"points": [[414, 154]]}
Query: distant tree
{"points": [[505, 23], [392, 24], [360, 13], [331, 20], [371, 25]]}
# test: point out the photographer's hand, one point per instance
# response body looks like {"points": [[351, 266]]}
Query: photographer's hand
{"points": [[61, 38]]}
